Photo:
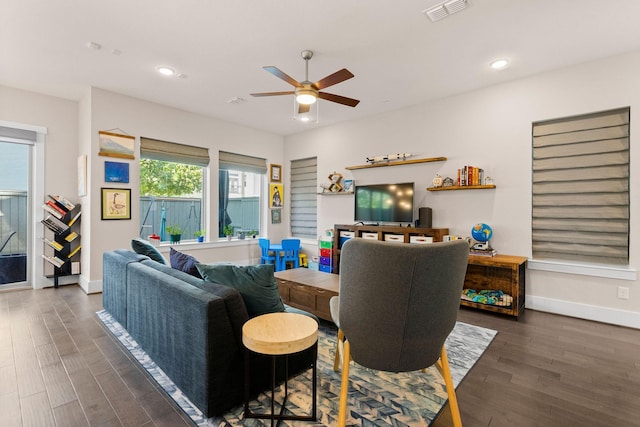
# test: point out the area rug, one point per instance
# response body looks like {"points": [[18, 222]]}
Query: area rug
{"points": [[375, 398]]}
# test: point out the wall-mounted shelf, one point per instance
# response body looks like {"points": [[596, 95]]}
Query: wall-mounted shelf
{"points": [[337, 193], [464, 187], [397, 163]]}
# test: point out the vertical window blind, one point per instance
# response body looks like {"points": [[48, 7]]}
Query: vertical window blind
{"points": [[580, 189], [304, 189]]}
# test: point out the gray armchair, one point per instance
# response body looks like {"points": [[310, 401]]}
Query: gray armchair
{"points": [[397, 305]]}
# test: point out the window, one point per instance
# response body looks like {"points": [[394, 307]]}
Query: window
{"points": [[304, 189], [581, 188], [172, 179], [239, 192]]}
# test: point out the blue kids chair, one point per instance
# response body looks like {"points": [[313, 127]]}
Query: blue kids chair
{"points": [[290, 253], [267, 256]]}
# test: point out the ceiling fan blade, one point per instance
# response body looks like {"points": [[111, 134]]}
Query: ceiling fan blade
{"points": [[272, 93], [303, 108], [281, 75], [339, 99], [333, 79]]}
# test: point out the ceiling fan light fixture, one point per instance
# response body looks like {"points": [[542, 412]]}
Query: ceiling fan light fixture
{"points": [[306, 96]]}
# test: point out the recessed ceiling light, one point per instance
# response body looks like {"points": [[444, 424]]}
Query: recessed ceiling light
{"points": [[166, 71], [94, 45], [499, 64]]}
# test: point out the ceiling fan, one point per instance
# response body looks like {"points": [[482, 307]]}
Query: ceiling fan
{"points": [[308, 93]]}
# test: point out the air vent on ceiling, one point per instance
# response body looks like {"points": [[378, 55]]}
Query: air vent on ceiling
{"points": [[445, 9]]}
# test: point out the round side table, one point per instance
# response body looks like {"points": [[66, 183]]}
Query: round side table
{"points": [[280, 334]]}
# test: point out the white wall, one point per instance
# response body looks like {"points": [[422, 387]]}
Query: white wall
{"points": [[490, 128], [122, 114]]}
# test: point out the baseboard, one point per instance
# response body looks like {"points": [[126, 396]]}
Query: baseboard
{"points": [[630, 319], [91, 287]]}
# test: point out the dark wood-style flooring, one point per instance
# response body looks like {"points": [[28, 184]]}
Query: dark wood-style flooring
{"points": [[59, 367]]}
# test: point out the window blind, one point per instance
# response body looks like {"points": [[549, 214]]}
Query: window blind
{"points": [[21, 135], [240, 162], [580, 189], [304, 189], [172, 152]]}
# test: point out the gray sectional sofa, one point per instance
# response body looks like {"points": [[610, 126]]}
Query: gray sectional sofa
{"points": [[192, 329]]}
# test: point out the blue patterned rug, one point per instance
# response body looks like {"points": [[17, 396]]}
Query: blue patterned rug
{"points": [[375, 398]]}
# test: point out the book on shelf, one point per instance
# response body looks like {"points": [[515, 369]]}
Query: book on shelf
{"points": [[63, 211], [55, 224], [54, 260], [52, 211], [55, 245], [62, 202], [71, 236], [483, 252], [75, 218], [75, 251], [75, 267]]}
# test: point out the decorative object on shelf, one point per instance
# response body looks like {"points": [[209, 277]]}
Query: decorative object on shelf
{"points": [[348, 186], [276, 216], [334, 185], [388, 157], [275, 173], [116, 203], [175, 233], [116, 145], [447, 182], [228, 231], [397, 163], [276, 199], [199, 235], [437, 180], [482, 233], [488, 181], [116, 172]]}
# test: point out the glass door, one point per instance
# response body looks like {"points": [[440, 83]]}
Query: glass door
{"points": [[15, 165]]}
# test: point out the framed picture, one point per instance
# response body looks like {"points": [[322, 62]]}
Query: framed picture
{"points": [[276, 173], [82, 175], [116, 172], [116, 203], [276, 216], [347, 186], [116, 145], [276, 197]]}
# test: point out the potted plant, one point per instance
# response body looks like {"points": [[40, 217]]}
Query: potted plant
{"points": [[175, 233], [242, 234], [228, 231], [200, 235], [253, 234]]}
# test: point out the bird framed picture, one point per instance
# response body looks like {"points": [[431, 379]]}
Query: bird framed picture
{"points": [[116, 203]]}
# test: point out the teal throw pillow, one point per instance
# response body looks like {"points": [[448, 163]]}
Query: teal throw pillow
{"points": [[143, 247], [255, 283]]}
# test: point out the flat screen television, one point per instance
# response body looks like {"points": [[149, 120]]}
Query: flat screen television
{"points": [[384, 203]]}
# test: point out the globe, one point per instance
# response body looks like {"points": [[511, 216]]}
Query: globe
{"points": [[481, 232]]}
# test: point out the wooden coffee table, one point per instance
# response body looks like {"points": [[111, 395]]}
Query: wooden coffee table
{"points": [[280, 334], [308, 290]]}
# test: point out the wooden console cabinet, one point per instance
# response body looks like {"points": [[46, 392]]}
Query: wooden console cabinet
{"points": [[382, 232], [501, 272]]}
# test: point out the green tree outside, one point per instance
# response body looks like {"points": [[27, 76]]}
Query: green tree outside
{"points": [[167, 179]]}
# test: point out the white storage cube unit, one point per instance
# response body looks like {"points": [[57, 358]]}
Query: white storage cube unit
{"points": [[420, 239]]}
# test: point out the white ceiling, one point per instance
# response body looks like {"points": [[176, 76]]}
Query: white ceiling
{"points": [[398, 56]]}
